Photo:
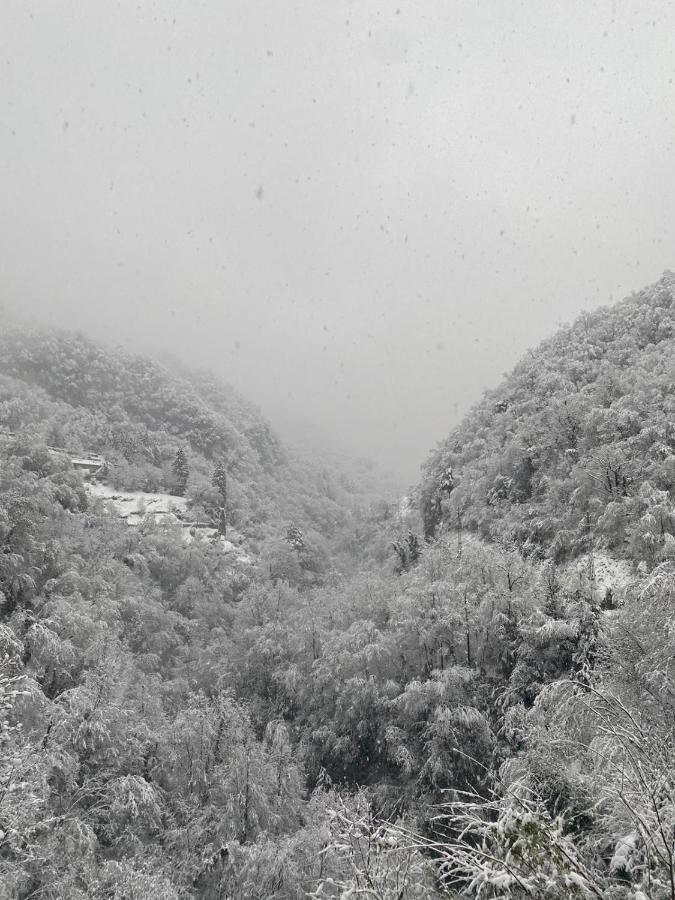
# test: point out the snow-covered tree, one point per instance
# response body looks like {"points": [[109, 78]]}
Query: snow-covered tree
{"points": [[181, 472]]}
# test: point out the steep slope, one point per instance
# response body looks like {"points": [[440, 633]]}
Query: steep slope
{"points": [[110, 390], [576, 448], [63, 390]]}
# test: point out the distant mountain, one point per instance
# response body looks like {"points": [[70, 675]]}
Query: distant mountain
{"points": [[61, 389], [576, 448], [109, 385]]}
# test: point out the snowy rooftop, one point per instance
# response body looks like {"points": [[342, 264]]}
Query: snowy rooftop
{"points": [[166, 509]]}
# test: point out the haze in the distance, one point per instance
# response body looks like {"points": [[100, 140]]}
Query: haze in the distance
{"points": [[360, 213]]}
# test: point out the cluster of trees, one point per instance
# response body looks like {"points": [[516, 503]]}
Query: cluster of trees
{"points": [[184, 732], [363, 711], [131, 764]]}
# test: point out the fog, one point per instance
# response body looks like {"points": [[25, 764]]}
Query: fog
{"points": [[361, 214]]}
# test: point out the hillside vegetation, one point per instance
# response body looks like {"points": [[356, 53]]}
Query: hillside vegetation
{"points": [[62, 390], [474, 696], [575, 448]]}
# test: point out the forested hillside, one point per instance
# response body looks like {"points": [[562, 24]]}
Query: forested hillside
{"points": [[472, 696], [575, 448], [60, 389]]}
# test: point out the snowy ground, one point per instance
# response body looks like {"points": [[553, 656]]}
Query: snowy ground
{"points": [[166, 509], [603, 573], [135, 505], [598, 575]]}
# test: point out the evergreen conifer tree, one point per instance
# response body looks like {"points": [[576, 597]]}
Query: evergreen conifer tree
{"points": [[295, 538], [219, 481], [181, 472]]}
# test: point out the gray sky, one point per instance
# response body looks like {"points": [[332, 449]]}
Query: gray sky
{"points": [[360, 213]]}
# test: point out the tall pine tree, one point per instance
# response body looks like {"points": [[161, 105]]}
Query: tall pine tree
{"points": [[219, 481], [181, 473]]}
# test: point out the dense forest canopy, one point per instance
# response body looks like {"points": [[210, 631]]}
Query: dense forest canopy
{"points": [[468, 691], [576, 445]]}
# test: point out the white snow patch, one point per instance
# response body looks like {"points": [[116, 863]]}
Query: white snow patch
{"points": [[624, 854], [135, 505], [91, 462], [193, 532], [603, 573], [404, 506]]}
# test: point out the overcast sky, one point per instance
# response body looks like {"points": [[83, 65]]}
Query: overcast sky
{"points": [[360, 213]]}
